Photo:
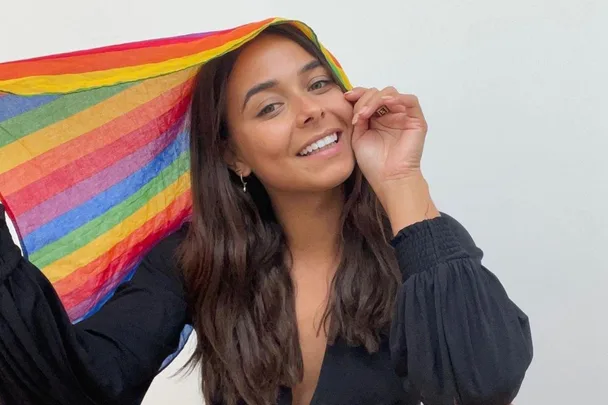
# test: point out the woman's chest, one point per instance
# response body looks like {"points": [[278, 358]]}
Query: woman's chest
{"points": [[351, 375]]}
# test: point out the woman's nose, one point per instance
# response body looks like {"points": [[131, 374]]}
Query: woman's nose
{"points": [[309, 111]]}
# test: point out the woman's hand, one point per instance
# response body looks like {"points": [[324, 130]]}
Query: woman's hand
{"points": [[389, 149]]}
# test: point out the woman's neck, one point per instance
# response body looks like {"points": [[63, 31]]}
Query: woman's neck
{"points": [[311, 223]]}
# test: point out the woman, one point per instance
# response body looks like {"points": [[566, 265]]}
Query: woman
{"points": [[316, 268]]}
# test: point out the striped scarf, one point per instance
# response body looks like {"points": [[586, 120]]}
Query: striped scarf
{"points": [[94, 161]]}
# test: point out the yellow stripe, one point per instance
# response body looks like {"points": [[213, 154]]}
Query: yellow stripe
{"points": [[66, 83], [71, 82], [87, 120], [341, 74], [100, 246]]}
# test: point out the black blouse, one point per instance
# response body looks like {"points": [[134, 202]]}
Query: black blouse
{"points": [[456, 336]]}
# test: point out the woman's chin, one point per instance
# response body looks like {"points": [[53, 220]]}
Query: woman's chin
{"points": [[313, 179], [333, 177]]}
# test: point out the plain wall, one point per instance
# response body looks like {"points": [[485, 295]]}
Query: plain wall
{"points": [[515, 93]]}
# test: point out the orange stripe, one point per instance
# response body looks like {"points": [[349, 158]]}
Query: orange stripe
{"points": [[72, 289], [122, 58], [46, 163]]}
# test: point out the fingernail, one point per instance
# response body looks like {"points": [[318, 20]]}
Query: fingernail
{"points": [[348, 93], [355, 119], [364, 111]]}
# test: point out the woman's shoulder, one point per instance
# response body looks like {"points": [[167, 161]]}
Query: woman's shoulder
{"points": [[165, 253]]}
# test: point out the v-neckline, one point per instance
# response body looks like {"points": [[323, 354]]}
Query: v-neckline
{"points": [[315, 393], [322, 370]]}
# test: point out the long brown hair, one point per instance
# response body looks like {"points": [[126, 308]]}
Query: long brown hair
{"points": [[239, 285]]}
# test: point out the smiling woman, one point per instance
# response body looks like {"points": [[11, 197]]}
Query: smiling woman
{"points": [[315, 266], [283, 83]]}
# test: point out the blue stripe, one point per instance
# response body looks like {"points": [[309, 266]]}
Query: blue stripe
{"points": [[12, 105], [183, 339], [104, 201]]}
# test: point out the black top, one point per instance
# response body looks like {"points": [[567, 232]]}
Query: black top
{"points": [[456, 336]]}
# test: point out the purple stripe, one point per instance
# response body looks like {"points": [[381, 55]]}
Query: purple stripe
{"points": [[86, 189]]}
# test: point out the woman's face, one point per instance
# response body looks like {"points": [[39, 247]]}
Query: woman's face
{"points": [[288, 120]]}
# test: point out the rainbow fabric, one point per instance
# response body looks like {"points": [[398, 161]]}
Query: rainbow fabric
{"points": [[94, 154]]}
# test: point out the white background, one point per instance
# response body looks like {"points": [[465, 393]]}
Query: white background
{"points": [[515, 94]]}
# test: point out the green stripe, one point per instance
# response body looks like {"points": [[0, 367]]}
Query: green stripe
{"points": [[57, 110], [97, 227]]}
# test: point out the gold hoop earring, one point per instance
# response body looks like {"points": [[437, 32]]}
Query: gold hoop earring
{"points": [[244, 183]]}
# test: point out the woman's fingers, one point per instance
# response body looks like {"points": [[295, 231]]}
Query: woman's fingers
{"points": [[355, 94], [363, 102], [408, 101], [368, 100], [379, 103]]}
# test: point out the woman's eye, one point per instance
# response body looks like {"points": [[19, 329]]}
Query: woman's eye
{"points": [[319, 84], [267, 110]]}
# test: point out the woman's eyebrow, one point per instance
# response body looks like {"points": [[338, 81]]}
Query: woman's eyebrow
{"points": [[310, 66], [258, 88]]}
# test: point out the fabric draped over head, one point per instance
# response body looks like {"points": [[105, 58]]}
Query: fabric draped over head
{"points": [[94, 160]]}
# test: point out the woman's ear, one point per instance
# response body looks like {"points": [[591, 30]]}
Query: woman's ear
{"points": [[234, 162]]}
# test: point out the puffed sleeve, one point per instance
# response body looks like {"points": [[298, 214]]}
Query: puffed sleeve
{"points": [[109, 358], [456, 336]]}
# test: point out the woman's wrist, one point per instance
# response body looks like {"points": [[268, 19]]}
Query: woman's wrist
{"points": [[407, 201]]}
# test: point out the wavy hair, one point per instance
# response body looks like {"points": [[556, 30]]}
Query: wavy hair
{"points": [[239, 285]]}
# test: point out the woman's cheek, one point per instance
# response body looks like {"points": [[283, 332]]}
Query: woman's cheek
{"points": [[272, 142], [344, 107]]}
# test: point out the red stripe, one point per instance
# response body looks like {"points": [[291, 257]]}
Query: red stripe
{"points": [[333, 59], [88, 280], [130, 45], [127, 55]]}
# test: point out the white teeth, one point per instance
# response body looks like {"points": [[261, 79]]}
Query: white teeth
{"points": [[321, 143]]}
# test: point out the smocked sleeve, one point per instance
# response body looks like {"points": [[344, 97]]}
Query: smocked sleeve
{"points": [[456, 336], [109, 358]]}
